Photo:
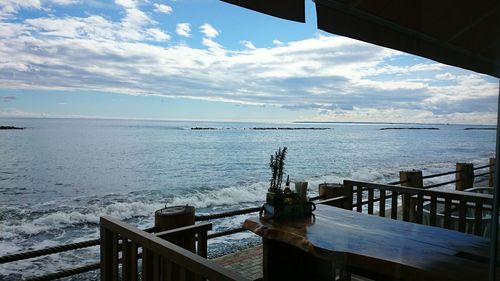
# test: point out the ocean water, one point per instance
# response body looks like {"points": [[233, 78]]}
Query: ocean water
{"points": [[59, 175]]}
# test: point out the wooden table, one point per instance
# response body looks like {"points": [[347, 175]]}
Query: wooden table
{"points": [[380, 248]]}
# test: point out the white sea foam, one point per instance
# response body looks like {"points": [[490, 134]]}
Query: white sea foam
{"points": [[63, 219], [223, 196]]}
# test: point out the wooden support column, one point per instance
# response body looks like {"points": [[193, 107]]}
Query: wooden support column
{"points": [[414, 179], [175, 217], [491, 176], [330, 190], [282, 261], [464, 176]]}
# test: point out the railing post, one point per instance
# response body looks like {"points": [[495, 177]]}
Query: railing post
{"points": [[491, 176], [330, 190], [414, 179], [109, 253], [348, 189], [411, 178], [175, 217], [464, 176]]}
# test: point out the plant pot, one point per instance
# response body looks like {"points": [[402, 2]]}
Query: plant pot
{"points": [[275, 198]]}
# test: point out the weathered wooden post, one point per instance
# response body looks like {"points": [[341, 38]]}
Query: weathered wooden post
{"points": [[414, 179], [464, 176], [491, 176], [175, 217], [331, 190]]}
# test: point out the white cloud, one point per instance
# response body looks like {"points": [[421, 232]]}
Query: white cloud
{"points": [[209, 31], [162, 8], [128, 4], [248, 44], [445, 76], [278, 42], [158, 35], [183, 29], [336, 76], [65, 2], [9, 8]]}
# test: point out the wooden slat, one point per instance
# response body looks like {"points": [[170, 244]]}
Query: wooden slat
{"points": [[462, 215], [126, 260], [370, 201], [381, 209], [166, 270], [359, 198], [406, 206], [155, 266], [348, 189], [106, 254], [447, 213], [478, 219], [114, 263], [202, 244], [433, 211], [133, 260], [150, 265], [394, 205], [420, 208], [146, 264], [182, 274]]}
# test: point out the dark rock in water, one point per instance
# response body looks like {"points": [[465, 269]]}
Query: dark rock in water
{"points": [[203, 128], [264, 128], [288, 128], [409, 128], [10, 128], [466, 129]]}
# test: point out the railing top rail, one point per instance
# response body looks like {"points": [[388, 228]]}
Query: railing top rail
{"points": [[439, 175], [371, 185], [190, 229], [177, 254], [484, 166]]}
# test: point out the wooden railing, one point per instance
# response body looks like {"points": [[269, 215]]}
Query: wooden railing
{"points": [[161, 260], [448, 209]]}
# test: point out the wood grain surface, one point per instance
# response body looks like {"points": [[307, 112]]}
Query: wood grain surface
{"points": [[380, 247]]}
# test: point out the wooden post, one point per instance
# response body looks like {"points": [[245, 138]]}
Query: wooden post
{"points": [[491, 176], [175, 217], [464, 176], [410, 179], [330, 190], [348, 189]]}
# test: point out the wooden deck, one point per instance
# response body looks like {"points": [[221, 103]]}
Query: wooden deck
{"points": [[248, 263]]}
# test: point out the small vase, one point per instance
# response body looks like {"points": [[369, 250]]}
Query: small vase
{"points": [[274, 198]]}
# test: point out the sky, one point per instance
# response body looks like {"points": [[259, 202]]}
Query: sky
{"points": [[210, 60]]}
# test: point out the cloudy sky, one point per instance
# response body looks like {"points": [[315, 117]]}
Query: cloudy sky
{"points": [[209, 60]]}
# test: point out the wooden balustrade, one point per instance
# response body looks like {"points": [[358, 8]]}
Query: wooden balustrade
{"points": [[448, 209], [160, 258]]}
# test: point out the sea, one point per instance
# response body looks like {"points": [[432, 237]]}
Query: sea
{"points": [[58, 176]]}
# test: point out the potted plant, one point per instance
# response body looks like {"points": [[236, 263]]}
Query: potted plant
{"points": [[277, 163], [283, 203]]}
